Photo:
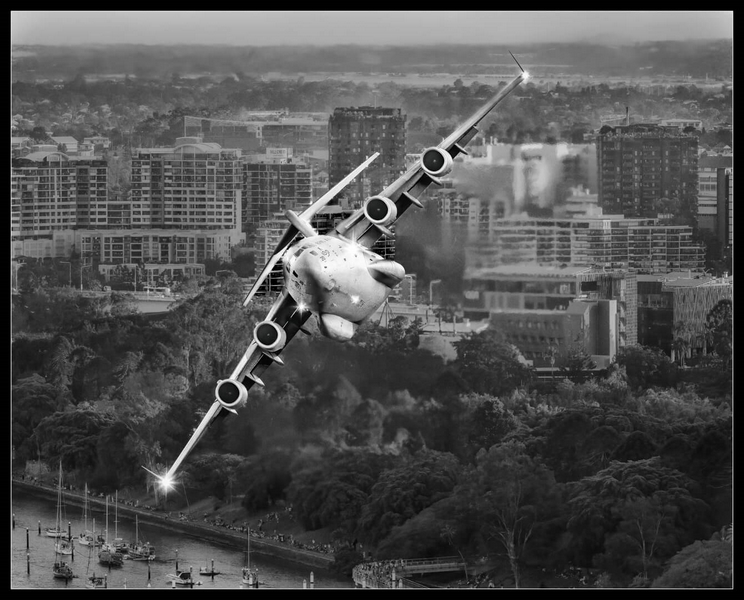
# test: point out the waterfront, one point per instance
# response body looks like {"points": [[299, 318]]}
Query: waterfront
{"points": [[190, 550]]}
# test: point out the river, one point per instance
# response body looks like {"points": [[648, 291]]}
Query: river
{"points": [[32, 568]]}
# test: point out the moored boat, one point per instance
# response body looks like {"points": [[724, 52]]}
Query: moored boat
{"points": [[183, 578], [96, 582], [248, 577], [88, 537], [63, 546], [108, 555], [60, 569], [140, 550]]}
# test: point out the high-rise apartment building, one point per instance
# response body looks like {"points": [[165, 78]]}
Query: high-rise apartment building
{"points": [[355, 134], [641, 164], [273, 187], [194, 185], [51, 192]]}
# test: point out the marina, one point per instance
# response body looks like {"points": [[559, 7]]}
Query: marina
{"points": [[177, 551]]}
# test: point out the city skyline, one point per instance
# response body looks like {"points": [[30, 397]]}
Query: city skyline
{"points": [[266, 28]]}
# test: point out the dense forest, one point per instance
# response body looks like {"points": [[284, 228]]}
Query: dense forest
{"points": [[711, 58], [628, 472]]}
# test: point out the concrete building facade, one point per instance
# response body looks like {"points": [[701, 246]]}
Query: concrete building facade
{"points": [[358, 132], [274, 187], [50, 192], [641, 164], [642, 245], [193, 185], [667, 301]]}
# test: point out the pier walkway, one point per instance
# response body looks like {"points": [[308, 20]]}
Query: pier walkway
{"points": [[397, 573]]}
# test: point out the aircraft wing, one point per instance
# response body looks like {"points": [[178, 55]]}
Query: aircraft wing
{"points": [[285, 313], [407, 188]]}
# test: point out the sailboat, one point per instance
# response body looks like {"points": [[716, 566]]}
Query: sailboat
{"points": [[249, 578], [60, 570], [108, 555], [140, 550], [93, 581], [119, 544], [88, 537]]}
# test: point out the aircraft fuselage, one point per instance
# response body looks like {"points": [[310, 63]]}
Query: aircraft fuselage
{"points": [[334, 276]]}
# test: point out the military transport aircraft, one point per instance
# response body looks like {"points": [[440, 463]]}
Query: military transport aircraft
{"points": [[334, 276]]}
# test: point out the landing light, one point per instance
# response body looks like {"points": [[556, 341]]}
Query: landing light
{"points": [[526, 76], [301, 307]]}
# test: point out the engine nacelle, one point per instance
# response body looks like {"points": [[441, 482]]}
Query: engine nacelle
{"points": [[269, 336], [436, 161], [380, 210], [230, 393]]}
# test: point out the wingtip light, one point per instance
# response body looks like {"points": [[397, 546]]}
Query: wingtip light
{"points": [[166, 481]]}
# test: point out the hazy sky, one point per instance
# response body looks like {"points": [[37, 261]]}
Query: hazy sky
{"points": [[261, 28]]}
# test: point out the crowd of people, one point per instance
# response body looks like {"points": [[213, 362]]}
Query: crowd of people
{"points": [[379, 574]]}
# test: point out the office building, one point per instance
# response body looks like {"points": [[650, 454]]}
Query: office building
{"points": [[642, 245], [356, 133], [664, 301], [541, 307], [641, 164]]}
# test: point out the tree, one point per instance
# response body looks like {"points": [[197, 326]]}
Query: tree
{"points": [[718, 327], [490, 365], [645, 532], [33, 399], [646, 367], [404, 490], [682, 341], [513, 493], [577, 362], [610, 507], [702, 564]]}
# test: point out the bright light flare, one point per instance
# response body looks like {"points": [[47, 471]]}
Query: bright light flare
{"points": [[166, 481], [301, 306], [526, 76], [355, 299]]}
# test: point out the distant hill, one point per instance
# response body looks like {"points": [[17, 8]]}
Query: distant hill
{"points": [[695, 58]]}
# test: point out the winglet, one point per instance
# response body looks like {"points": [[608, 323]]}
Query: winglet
{"points": [[525, 73]]}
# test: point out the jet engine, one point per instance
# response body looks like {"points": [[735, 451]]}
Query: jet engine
{"points": [[436, 161], [269, 336], [230, 393], [380, 210]]}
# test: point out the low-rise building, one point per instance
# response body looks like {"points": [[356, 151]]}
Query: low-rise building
{"points": [[676, 305]]}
